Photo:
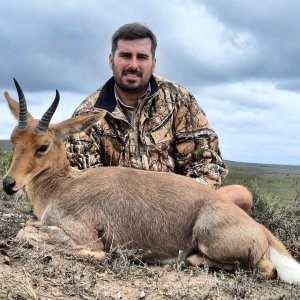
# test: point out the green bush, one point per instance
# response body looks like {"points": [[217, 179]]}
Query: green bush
{"points": [[5, 160], [282, 220]]}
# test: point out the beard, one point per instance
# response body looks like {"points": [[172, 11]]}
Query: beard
{"points": [[133, 86]]}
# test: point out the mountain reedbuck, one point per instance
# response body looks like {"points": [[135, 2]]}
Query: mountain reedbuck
{"points": [[88, 212]]}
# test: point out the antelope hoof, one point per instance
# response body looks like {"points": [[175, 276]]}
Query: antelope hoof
{"points": [[98, 255], [33, 222], [31, 233], [266, 269]]}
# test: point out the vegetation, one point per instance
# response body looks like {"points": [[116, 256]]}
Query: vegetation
{"points": [[281, 182], [5, 159], [276, 192]]}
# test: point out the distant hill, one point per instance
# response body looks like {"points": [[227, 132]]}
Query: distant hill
{"points": [[262, 170], [281, 181], [5, 145]]}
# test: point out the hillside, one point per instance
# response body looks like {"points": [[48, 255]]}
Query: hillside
{"points": [[262, 170], [280, 180], [5, 145]]}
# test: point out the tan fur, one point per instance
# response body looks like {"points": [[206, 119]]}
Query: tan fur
{"points": [[93, 210], [13, 105]]}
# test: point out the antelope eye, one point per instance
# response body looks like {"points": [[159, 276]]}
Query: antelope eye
{"points": [[42, 149]]}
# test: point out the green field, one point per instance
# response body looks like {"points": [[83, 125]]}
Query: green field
{"points": [[279, 180]]}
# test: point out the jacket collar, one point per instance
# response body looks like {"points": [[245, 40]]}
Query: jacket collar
{"points": [[107, 99]]}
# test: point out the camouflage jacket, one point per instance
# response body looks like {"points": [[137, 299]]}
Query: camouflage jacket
{"points": [[170, 133]]}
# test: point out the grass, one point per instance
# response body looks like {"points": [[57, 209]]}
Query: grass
{"points": [[276, 193], [5, 159], [283, 182]]}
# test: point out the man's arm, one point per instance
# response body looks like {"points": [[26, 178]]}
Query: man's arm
{"points": [[83, 151], [197, 145], [84, 148]]}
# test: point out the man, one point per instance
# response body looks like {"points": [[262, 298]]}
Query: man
{"points": [[151, 123]]}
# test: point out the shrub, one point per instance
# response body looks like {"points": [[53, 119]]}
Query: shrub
{"points": [[282, 220], [5, 160]]}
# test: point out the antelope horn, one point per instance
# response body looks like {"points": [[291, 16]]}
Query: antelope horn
{"points": [[22, 108], [45, 120]]}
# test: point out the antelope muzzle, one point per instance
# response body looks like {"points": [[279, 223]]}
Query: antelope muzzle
{"points": [[8, 185]]}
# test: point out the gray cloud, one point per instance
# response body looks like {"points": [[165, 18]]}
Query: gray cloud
{"points": [[240, 58], [57, 44], [289, 84], [272, 25], [46, 47]]}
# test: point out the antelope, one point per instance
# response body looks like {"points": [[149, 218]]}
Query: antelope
{"points": [[86, 212]]}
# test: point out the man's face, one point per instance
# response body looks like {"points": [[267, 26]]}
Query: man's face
{"points": [[132, 65]]}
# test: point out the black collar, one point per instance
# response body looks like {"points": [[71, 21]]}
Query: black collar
{"points": [[107, 99]]}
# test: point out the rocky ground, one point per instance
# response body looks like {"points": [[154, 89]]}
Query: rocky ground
{"points": [[38, 271]]}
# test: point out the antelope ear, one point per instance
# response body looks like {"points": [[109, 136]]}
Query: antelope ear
{"points": [[14, 106], [77, 124]]}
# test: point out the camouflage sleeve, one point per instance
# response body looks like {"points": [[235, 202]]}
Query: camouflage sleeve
{"points": [[83, 151], [197, 145], [84, 148]]}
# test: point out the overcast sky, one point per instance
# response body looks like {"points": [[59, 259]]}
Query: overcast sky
{"points": [[240, 58]]}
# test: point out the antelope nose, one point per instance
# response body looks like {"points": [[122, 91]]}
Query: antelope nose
{"points": [[8, 185]]}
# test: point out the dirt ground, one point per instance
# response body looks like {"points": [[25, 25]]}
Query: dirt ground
{"points": [[38, 271]]}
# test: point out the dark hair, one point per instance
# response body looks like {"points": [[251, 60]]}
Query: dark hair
{"points": [[133, 31]]}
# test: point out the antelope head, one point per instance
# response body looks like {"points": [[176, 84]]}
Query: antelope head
{"points": [[37, 145]]}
